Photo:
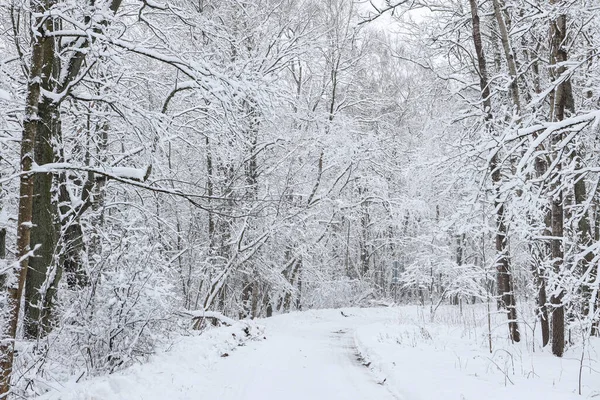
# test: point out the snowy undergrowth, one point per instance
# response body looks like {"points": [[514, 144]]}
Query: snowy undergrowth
{"points": [[179, 365], [449, 358]]}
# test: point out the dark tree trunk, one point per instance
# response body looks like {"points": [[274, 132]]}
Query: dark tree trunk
{"points": [[293, 274], [503, 270], [299, 296], [255, 303], [44, 270], [542, 300], [559, 100], [268, 304], [43, 274], [251, 169], [2, 255], [247, 294], [539, 254], [585, 240], [558, 312], [71, 261], [364, 234], [460, 250], [30, 127]]}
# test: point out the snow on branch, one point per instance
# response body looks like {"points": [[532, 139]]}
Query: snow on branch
{"points": [[203, 74], [5, 95], [380, 11], [545, 130], [134, 174]]}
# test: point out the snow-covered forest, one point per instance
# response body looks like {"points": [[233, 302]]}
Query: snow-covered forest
{"points": [[165, 164]]}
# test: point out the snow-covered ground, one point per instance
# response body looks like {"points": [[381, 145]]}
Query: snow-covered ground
{"points": [[449, 358], [349, 354]]}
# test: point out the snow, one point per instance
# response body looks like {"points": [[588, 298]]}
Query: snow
{"points": [[209, 314], [116, 172], [3, 217], [179, 372], [305, 356], [423, 360], [349, 354], [4, 267], [53, 96], [4, 95], [128, 173]]}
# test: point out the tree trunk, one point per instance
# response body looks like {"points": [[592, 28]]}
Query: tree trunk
{"points": [[24, 220], [364, 233], [44, 271], [268, 304], [247, 294], [539, 274], [558, 312], [255, 303], [559, 100], [584, 238], [2, 255], [508, 53], [299, 296], [539, 254], [503, 274], [293, 275], [42, 274]]}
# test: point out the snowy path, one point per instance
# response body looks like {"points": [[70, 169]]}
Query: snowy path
{"points": [[312, 355], [306, 356], [303, 358]]}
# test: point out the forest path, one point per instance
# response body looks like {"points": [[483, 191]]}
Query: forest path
{"points": [[306, 356]]}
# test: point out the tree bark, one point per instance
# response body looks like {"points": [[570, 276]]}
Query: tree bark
{"points": [[40, 288], [559, 100], [364, 233], [503, 270], [247, 293], [44, 270], [2, 255], [584, 238], [294, 271], [540, 251], [539, 254], [30, 127], [558, 313], [508, 53]]}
